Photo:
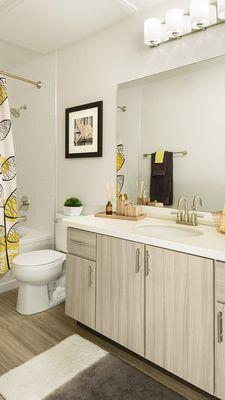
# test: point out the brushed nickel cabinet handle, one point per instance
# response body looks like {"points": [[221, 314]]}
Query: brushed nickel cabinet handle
{"points": [[90, 275], [138, 266], [147, 267], [78, 242], [220, 327]]}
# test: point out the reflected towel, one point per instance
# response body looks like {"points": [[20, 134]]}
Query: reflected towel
{"points": [[159, 158], [161, 186]]}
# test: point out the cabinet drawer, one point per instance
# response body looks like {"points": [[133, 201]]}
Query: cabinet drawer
{"points": [[82, 243], [220, 281]]}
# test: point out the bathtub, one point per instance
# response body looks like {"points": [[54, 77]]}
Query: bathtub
{"points": [[30, 240]]}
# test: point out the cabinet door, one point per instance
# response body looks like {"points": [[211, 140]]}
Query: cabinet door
{"points": [[80, 290], [179, 315], [120, 292], [220, 351]]}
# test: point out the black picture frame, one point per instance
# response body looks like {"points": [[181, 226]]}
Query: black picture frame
{"points": [[99, 134]]}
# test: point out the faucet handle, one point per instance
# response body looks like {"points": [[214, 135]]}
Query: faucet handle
{"points": [[181, 199], [197, 199], [201, 201]]}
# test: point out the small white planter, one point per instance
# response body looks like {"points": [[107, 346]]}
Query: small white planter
{"points": [[73, 211]]}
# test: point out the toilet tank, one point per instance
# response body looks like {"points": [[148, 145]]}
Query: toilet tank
{"points": [[60, 233]]}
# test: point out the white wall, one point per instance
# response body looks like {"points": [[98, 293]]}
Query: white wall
{"points": [[14, 56], [91, 70]]}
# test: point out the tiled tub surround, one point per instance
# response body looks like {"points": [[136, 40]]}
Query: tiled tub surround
{"points": [[161, 296]]}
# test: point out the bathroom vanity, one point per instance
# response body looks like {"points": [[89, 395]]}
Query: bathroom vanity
{"points": [[162, 299]]}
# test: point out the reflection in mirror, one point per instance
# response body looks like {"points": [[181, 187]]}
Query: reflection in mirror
{"points": [[171, 136]]}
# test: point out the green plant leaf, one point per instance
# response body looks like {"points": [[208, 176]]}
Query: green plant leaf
{"points": [[73, 202]]}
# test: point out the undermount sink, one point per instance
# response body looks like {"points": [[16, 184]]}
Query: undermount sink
{"points": [[169, 231]]}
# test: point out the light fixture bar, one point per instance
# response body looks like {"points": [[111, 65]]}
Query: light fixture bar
{"points": [[190, 33], [187, 14]]}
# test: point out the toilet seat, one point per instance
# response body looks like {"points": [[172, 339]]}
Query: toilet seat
{"points": [[38, 259]]}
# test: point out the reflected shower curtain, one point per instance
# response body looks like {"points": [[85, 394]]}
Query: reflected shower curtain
{"points": [[9, 237]]}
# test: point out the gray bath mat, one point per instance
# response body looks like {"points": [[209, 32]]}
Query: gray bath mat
{"points": [[112, 379]]}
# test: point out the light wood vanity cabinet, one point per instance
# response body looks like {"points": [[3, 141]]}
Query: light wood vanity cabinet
{"points": [[120, 292], [220, 282], [80, 277], [220, 351], [219, 331], [80, 290], [179, 315], [158, 303]]}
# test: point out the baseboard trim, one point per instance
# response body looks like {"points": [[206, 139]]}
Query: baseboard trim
{"points": [[10, 285]]}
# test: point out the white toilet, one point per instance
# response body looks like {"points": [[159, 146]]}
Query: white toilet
{"points": [[41, 276]]}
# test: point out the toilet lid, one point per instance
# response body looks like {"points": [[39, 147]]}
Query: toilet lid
{"points": [[37, 258]]}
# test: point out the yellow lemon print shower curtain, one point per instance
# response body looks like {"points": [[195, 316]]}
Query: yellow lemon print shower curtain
{"points": [[9, 237]]}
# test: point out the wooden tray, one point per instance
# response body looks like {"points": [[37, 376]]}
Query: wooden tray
{"points": [[115, 216]]}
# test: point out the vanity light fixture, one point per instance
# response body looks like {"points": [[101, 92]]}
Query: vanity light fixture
{"points": [[152, 32], [221, 9], [199, 13], [202, 14], [174, 23], [212, 14]]}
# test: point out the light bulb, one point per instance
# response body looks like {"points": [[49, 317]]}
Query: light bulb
{"points": [[221, 9], [174, 22], [152, 32], [212, 14], [199, 12]]}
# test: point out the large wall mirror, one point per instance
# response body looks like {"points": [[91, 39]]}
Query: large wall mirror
{"points": [[182, 112]]}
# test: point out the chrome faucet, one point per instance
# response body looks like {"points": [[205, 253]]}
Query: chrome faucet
{"points": [[184, 215], [194, 215]]}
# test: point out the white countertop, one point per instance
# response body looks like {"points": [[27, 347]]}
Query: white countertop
{"points": [[209, 244]]}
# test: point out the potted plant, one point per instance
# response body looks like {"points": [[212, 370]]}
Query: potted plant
{"points": [[73, 206]]}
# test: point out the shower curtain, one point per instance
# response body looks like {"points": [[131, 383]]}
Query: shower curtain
{"points": [[9, 237]]}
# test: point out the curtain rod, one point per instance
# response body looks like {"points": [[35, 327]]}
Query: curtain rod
{"points": [[20, 78]]}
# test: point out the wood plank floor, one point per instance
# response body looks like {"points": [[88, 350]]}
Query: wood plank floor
{"points": [[22, 338]]}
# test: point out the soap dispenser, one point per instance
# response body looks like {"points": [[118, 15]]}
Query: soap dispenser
{"points": [[109, 208]]}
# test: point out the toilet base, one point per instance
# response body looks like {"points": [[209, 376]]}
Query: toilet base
{"points": [[33, 299]]}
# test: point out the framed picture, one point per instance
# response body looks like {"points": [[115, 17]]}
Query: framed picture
{"points": [[84, 125]]}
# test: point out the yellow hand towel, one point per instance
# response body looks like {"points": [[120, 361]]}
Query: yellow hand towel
{"points": [[159, 158]]}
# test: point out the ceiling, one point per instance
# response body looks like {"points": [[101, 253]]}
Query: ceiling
{"points": [[43, 26]]}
